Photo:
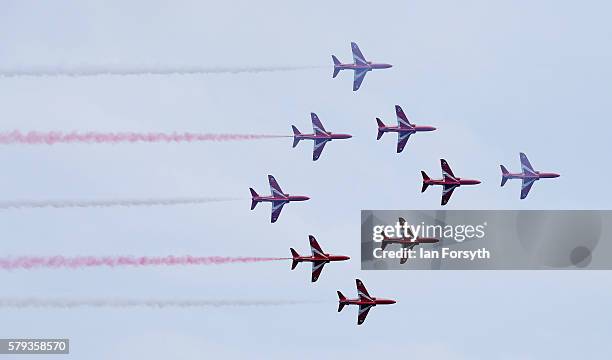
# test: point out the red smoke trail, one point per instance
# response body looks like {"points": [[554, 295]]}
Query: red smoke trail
{"points": [[31, 262], [58, 137]]}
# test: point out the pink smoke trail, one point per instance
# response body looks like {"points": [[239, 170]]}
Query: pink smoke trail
{"points": [[58, 137], [77, 262]]}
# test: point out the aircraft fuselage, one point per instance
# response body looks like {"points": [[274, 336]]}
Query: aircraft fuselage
{"points": [[288, 198], [373, 302], [398, 129], [329, 136], [457, 182], [417, 241], [537, 175], [327, 258], [369, 67]]}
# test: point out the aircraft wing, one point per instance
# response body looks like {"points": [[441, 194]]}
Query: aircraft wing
{"points": [[526, 166], [277, 207], [314, 247], [275, 189], [319, 144], [363, 313], [317, 268], [527, 183], [358, 57], [447, 173], [358, 79], [362, 292], [402, 140], [317, 126], [409, 247], [402, 119], [447, 192]]}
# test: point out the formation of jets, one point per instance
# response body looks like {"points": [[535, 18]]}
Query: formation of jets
{"points": [[404, 130]]}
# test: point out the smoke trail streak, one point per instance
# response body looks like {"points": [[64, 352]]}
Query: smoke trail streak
{"points": [[143, 70], [58, 137], [30, 204], [78, 262], [132, 303]]}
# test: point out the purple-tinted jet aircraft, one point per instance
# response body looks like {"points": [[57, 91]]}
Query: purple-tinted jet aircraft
{"points": [[320, 136], [449, 182], [403, 129], [359, 65], [529, 175], [278, 198]]}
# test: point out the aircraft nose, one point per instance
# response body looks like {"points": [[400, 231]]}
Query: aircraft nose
{"points": [[476, 182], [556, 175]]}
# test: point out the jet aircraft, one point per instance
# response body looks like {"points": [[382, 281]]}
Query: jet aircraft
{"points": [[403, 129], [278, 198], [360, 65], [319, 135], [529, 175], [364, 300], [318, 258], [407, 242], [449, 182]]}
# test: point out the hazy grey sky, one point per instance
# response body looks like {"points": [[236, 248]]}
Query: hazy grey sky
{"points": [[495, 78]]}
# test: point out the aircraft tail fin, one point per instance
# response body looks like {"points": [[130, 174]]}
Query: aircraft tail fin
{"points": [[253, 201], [341, 301], [296, 132], [380, 126], [295, 255], [425, 179], [505, 174], [336, 68]]}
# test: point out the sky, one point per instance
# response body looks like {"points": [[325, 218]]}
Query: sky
{"points": [[495, 78]]}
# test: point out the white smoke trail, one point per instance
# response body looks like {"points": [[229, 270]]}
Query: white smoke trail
{"points": [[21, 303], [142, 70], [31, 204]]}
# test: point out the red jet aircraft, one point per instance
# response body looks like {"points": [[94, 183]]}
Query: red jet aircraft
{"points": [[278, 198], [365, 302], [319, 135], [403, 129], [449, 182], [408, 242], [318, 258]]}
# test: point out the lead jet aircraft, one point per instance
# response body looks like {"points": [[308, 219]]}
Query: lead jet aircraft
{"points": [[318, 258], [319, 135], [278, 198], [360, 65], [529, 175], [449, 182], [407, 242], [364, 300], [403, 129]]}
